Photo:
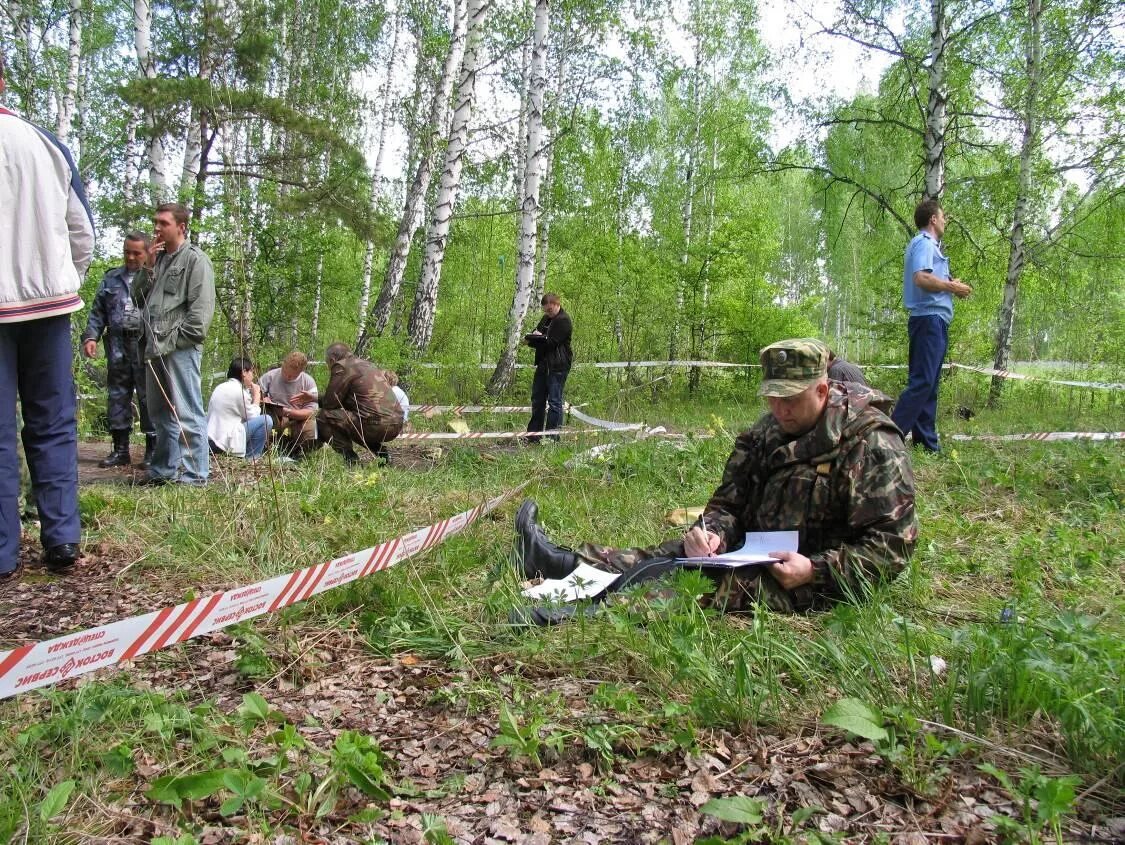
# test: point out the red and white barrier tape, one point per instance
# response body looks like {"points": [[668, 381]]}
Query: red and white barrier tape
{"points": [[988, 371], [44, 663], [1043, 436], [428, 410], [411, 436]]}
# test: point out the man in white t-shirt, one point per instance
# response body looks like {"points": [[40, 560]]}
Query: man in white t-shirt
{"points": [[290, 396]]}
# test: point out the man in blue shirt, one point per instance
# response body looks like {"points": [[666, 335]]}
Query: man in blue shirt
{"points": [[927, 292]]}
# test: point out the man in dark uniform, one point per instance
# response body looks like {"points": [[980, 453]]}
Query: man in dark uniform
{"points": [[358, 406], [114, 316], [826, 461], [553, 357]]}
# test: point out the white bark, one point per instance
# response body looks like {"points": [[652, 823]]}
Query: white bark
{"points": [[1017, 252], [934, 138], [688, 205], [548, 173], [416, 193], [74, 54], [421, 326], [529, 217], [142, 42], [377, 173]]}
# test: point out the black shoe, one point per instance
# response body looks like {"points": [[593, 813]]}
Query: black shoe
{"points": [[547, 615], [150, 447], [119, 457], [351, 459], [11, 577], [150, 480], [61, 557], [538, 556]]}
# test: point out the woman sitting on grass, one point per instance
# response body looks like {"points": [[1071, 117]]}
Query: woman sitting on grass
{"points": [[235, 422]]}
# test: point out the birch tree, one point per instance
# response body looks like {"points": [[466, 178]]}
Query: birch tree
{"points": [[419, 185], [70, 97], [529, 211], [142, 42]]}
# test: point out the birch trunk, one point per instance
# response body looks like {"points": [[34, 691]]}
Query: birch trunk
{"points": [[688, 210], [934, 136], [70, 96], [421, 325], [420, 184], [699, 335], [377, 175], [548, 175], [505, 366], [1017, 252], [142, 43]]}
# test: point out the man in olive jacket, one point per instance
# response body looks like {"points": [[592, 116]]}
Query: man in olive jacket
{"points": [[826, 461], [176, 295], [357, 407]]}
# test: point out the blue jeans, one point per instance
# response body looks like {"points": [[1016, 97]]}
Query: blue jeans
{"points": [[916, 410], [175, 406], [257, 433], [35, 364], [547, 399]]}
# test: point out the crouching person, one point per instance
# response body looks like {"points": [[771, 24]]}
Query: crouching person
{"points": [[825, 461], [358, 406]]}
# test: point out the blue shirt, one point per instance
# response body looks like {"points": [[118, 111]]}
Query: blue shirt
{"points": [[924, 253]]}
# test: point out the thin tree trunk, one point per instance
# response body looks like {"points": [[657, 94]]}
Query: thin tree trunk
{"points": [[1017, 253], [416, 193], [502, 375], [420, 328], [700, 333], [689, 199], [934, 137], [142, 42], [548, 213], [377, 174], [74, 54]]}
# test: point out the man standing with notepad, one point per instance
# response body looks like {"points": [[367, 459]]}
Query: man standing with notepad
{"points": [[825, 462]]}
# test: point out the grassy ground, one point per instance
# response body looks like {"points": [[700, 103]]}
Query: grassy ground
{"points": [[980, 693]]}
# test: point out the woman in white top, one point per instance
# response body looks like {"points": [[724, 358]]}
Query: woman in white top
{"points": [[235, 422]]}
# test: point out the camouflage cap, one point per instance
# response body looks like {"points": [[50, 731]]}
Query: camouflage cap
{"points": [[790, 366]]}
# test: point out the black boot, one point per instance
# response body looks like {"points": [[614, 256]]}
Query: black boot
{"points": [[538, 556], [119, 457], [150, 447]]}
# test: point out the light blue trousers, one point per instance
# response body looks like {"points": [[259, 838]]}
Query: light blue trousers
{"points": [[175, 406]]}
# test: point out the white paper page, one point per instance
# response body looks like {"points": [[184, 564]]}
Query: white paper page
{"points": [[583, 583], [755, 549]]}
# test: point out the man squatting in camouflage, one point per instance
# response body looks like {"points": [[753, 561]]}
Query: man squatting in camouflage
{"points": [[114, 316], [826, 461], [357, 407]]}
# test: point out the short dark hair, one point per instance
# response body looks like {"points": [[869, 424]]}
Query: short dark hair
{"points": [[925, 211], [337, 351], [238, 366], [551, 298], [137, 235], [178, 211]]}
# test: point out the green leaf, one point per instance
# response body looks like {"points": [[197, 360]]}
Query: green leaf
{"points": [[855, 716], [173, 789], [366, 782], [738, 809], [254, 708], [803, 815], [56, 799], [231, 806]]}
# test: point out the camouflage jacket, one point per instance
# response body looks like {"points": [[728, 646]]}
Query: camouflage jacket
{"points": [[112, 311], [359, 386], [846, 486]]}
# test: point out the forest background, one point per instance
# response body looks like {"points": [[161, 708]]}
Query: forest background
{"points": [[410, 177]]}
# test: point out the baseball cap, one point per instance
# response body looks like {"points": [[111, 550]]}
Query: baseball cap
{"points": [[790, 366]]}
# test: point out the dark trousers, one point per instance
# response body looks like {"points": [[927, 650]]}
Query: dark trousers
{"points": [[36, 365], [344, 430], [547, 399], [125, 374], [916, 410]]}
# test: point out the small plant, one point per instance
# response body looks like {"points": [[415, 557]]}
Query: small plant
{"points": [[1043, 803]]}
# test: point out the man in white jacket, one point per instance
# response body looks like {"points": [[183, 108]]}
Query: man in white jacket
{"points": [[46, 243]]}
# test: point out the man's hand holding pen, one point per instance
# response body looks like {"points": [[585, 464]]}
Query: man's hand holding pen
{"points": [[700, 541]]}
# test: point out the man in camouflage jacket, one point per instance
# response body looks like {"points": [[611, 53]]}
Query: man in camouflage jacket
{"points": [[358, 406], [826, 462], [114, 317]]}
